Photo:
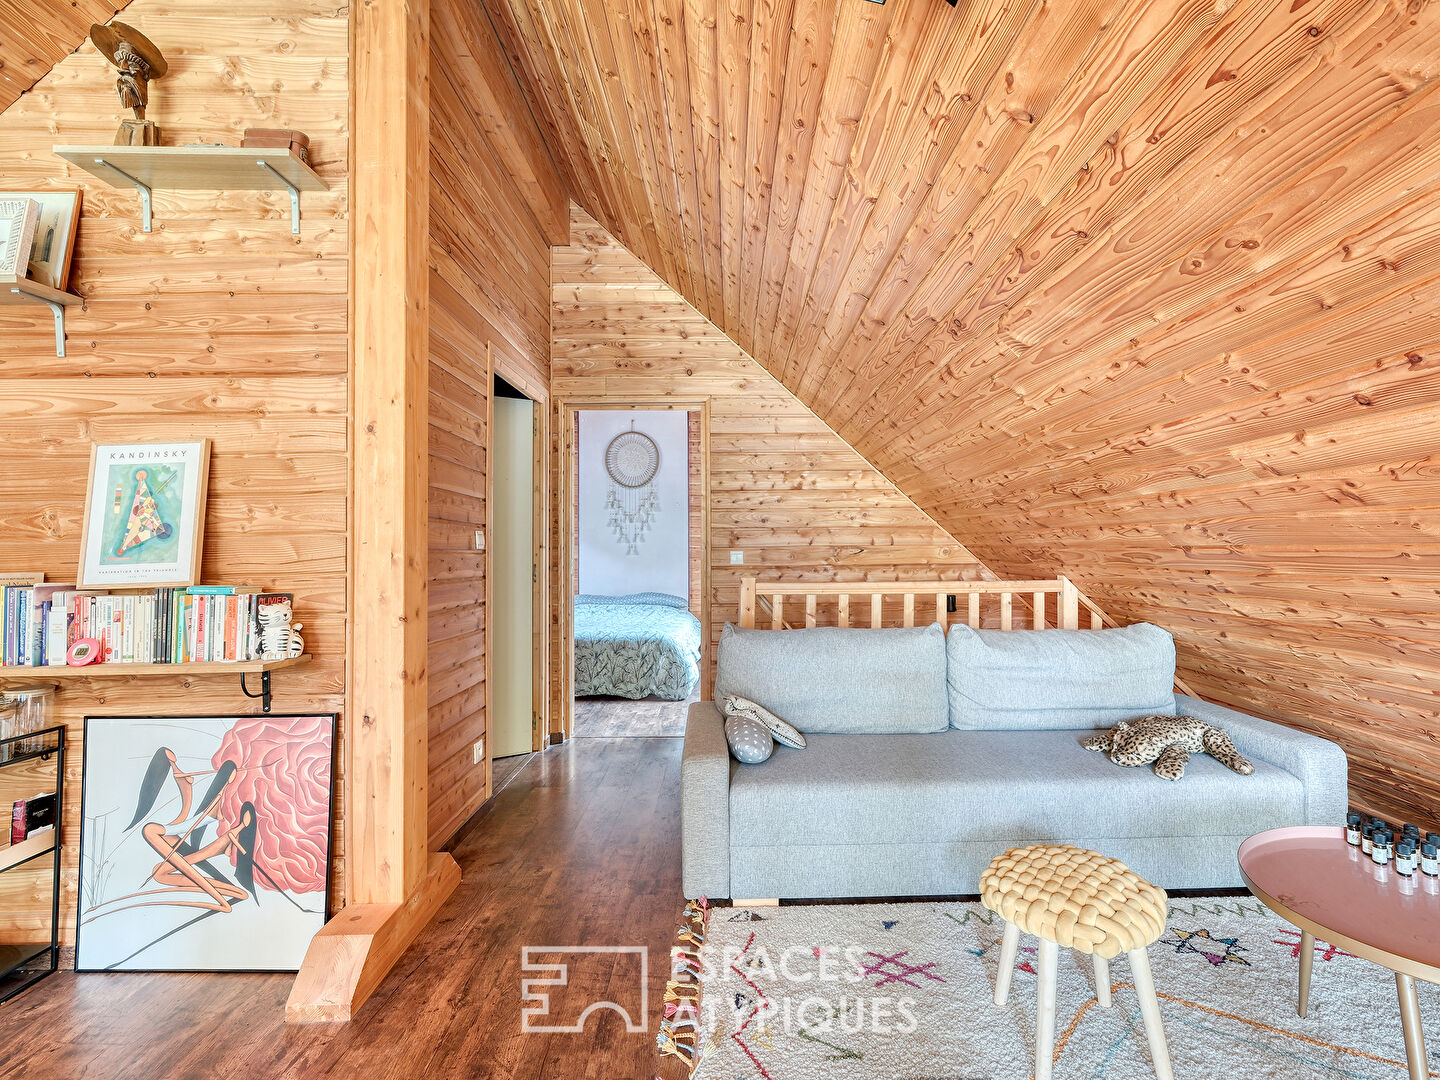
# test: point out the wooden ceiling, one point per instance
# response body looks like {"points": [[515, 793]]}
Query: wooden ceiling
{"points": [[1147, 291], [34, 37]]}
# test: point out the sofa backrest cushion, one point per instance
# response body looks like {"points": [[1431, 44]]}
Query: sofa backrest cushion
{"points": [[1048, 680], [845, 681]]}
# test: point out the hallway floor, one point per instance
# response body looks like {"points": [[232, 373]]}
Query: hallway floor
{"points": [[580, 848], [622, 718]]}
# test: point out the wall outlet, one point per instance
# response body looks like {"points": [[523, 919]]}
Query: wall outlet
{"points": [[479, 751], [737, 558], [479, 539]]}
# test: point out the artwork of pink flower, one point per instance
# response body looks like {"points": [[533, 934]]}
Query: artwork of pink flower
{"points": [[284, 771]]}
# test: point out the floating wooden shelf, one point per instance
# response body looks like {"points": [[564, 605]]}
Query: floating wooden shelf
{"points": [[194, 667], [15, 854], [18, 290], [198, 168]]}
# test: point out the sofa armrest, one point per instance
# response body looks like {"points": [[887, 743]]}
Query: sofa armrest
{"points": [[705, 804], [1318, 763]]}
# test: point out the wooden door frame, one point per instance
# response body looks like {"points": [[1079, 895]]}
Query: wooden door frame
{"points": [[540, 555], [566, 409]]}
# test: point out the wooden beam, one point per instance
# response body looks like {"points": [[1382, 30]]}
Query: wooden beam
{"points": [[354, 951], [394, 884]]}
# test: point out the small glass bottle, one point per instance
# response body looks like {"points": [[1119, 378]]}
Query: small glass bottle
{"points": [[1410, 831], [1429, 859], [1352, 829], [1406, 861], [1382, 847], [1433, 838], [1367, 839]]}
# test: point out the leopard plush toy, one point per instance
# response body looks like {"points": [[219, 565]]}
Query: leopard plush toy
{"points": [[1168, 741]]}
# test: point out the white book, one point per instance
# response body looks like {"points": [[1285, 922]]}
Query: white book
{"points": [[128, 615], [18, 218], [56, 628]]}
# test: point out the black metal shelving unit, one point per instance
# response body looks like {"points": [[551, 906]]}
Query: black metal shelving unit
{"points": [[26, 963]]}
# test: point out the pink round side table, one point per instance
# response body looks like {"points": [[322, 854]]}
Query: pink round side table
{"points": [[1309, 876]]}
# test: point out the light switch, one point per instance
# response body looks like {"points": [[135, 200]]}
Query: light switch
{"points": [[479, 539], [737, 558], [479, 751]]}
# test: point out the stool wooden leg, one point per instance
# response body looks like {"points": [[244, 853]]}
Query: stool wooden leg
{"points": [[1045, 1010], [1102, 981], [1307, 964], [1150, 1010], [1008, 945]]}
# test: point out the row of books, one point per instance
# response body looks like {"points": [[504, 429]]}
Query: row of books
{"points": [[208, 623]]}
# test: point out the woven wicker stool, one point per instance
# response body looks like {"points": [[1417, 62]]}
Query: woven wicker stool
{"points": [[1080, 899]]}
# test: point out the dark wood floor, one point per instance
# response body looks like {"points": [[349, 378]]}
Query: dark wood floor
{"points": [[581, 847]]}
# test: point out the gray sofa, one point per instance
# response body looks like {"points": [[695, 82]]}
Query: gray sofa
{"points": [[927, 758]]}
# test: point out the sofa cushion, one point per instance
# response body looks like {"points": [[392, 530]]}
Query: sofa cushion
{"points": [[750, 741], [1056, 680], [781, 730], [972, 786], [850, 681]]}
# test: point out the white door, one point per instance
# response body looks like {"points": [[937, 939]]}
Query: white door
{"points": [[513, 462]]}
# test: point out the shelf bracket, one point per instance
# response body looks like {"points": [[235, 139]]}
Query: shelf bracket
{"points": [[143, 188], [58, 312], [264, 694], [294, 195]]}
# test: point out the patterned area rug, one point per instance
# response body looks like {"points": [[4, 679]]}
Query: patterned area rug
{"points": [[904, 992]]}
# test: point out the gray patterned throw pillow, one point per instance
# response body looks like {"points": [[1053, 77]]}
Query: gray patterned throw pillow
{"points": [[750, 741], [784, 733]]}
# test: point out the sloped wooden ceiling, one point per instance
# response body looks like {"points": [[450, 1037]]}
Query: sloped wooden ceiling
{"points": [[1147, 292], [34, 37]]}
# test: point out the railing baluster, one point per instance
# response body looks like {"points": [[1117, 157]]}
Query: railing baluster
{"points": [[843, 605], [875, 603], [747, 603], [972, 616], [809, 610], [1038, 602], [940, 612], [1007, 619], [777, 605], [909, 609]]}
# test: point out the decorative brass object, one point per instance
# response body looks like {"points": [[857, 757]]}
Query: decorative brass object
{"points": [[138, 61]]}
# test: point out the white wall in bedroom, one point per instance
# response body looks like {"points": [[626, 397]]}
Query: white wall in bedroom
{"points": [[662, 562]]}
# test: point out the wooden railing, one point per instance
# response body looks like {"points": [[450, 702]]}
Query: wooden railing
{"points": [[919, 599]]}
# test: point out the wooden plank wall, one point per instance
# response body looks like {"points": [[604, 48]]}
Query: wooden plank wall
{"points": [[35, 40], [218, 324], [489, 289], [784, 488]]}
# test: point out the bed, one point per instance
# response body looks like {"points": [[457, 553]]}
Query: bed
{"points": [[636, 646]]}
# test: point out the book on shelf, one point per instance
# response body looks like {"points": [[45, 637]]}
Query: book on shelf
{"points": [[30, 816], [203, 623]]}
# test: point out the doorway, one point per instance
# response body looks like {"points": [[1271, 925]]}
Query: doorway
{"points": [[516, 562], [634, 569]]}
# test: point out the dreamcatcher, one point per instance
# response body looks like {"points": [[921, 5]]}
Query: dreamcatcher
{"points": [[632, 459]]}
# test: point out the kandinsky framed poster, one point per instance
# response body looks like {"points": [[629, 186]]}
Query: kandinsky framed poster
{"points": [[144, 515]]}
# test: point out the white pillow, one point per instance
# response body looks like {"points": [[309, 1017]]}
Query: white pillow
{"points": [[784, 733]]}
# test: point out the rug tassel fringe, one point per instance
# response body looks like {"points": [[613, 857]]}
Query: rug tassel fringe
{"points": [[680, 1034]]}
